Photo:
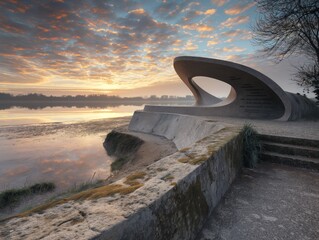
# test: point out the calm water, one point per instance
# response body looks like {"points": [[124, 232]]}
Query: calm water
{"points": [[62, 145], [22, 116]]}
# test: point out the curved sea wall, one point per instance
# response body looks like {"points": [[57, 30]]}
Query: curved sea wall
{"points": [[183, 130], [170, 199], [194, 180]]}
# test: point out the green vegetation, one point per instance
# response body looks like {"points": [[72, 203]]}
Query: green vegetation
{"points": [[12, 197], [251, 146]]}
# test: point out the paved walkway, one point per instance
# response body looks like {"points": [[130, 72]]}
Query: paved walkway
{"points": [[300, 129], [270, 202]]}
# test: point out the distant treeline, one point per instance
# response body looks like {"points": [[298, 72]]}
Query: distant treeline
{"points": [[40, 101], [92, 97]]}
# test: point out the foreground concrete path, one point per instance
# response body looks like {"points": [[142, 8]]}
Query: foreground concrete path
{"points": [[270, 202]]}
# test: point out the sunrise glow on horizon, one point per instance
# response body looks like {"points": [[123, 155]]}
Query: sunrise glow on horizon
{"points": [[122, 47]]}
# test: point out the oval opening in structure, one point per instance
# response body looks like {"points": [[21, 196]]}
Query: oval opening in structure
{"points": [[213, 86]]}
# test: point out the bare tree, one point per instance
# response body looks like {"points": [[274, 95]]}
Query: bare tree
{"points": [[291, 27]]}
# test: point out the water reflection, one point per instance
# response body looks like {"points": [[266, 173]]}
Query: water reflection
{"points": [[62, 159], [66, 154], [64, 104], [22, 116], [62, 145]]}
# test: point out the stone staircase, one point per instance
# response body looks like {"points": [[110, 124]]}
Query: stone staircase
{"points": [[290, 151]]}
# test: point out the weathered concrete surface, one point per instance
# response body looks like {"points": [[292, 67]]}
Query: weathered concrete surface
{"points": [[308, 129], [183, 130], [270, 202], [252, 95], [174, 197]]}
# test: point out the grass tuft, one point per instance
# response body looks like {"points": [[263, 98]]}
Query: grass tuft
{"points": [[194, 159], [136, 175], [184, 149], [167, 177], [12, 197], [183, 160], [94, 193], [252, 146], [132, 179]]}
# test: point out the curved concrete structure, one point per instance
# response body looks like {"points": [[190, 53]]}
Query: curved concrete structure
{"points": [[253, 95]]}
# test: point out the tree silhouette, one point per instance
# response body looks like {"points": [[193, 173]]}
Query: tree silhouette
{"points": [[291, 27]]}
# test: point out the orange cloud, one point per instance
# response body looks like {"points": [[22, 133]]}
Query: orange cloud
{"points": [[43, 29], [11, 28], [237, 9], [245, 35], [59, 15], [177, 42], [190, 46], [212, 42], [209, 11], [233, 49], [219, 3], [230, 22], [139, 11], [198, 27], [22, 9]]}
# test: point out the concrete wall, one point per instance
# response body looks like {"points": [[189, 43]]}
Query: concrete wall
{"points": [[182, 210], [183, 130], [171, 201]]}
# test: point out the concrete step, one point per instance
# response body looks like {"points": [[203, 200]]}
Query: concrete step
{"points": [[292, 160], [289, 140], [290, 149]]}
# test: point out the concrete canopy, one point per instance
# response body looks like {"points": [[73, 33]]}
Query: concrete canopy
{"points": [[253, 95]]}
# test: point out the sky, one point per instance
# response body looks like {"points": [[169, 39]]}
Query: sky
{"points": [[125, 48]]}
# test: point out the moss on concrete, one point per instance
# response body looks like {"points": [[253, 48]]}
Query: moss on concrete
{"points": [[132, 179], [94, 193], [168, 177], [136, 175], [183, 160], [160, 169], [194, 159], [184, 149], [215, 143]]}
